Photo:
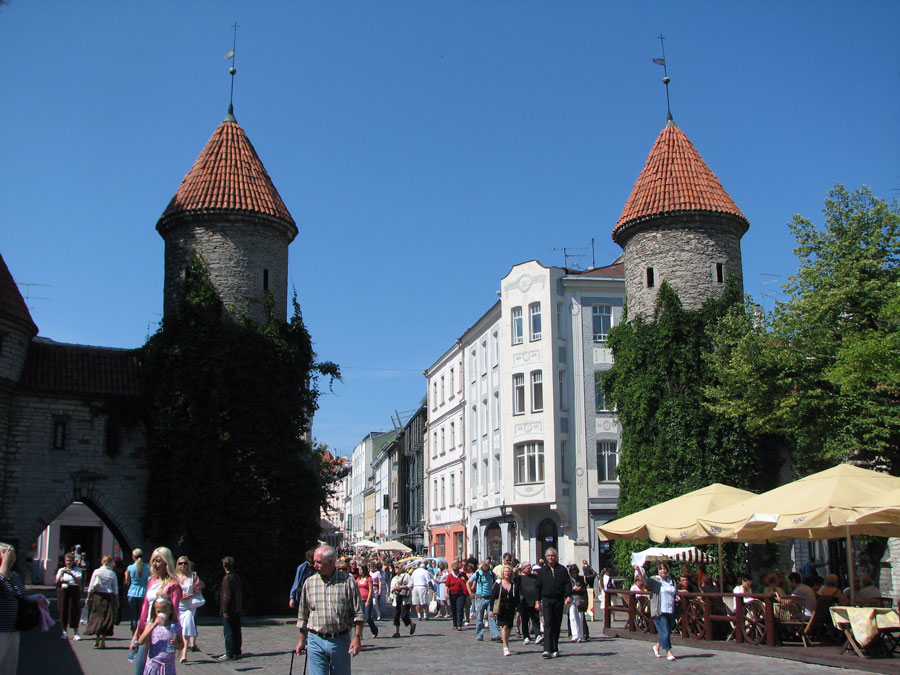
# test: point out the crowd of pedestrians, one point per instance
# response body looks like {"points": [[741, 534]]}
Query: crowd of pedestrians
{"points": [[336, 596]]}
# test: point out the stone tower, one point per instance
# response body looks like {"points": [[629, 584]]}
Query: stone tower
{"points": [[228, 210], [679, 226]]}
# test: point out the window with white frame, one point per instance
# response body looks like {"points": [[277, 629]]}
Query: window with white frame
{"points": [[452, 383], [599, 397], [519, 394], [537, 391], [434, 397], [602, 316], [452, 489], [563, 403], [561, 320], [435, 494], [495, 343], [517, 329], [496, 403], [484, 477], [434, 445], [443, 441], [474, 420], [443, 494], [529, 462], [443, 391], [534, 320], [452, 435], [607, 460]]}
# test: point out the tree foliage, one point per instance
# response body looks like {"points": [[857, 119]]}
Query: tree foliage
{"points": [[824, 368], [671, 442], [228, 404]]}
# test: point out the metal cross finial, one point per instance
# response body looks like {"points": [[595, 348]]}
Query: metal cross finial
{"points": [[666, 80], [232, 69]]}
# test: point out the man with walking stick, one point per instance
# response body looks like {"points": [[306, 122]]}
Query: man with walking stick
{"points": [[329, 608]]}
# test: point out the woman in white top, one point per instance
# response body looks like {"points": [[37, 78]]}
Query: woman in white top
{"points": [[191, 587], [663, 593], [104, 593], [68, 596]]}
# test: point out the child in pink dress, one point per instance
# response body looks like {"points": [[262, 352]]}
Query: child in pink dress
{"points": [[162, 630]]}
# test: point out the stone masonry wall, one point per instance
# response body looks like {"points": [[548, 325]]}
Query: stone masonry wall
{"points": [[237, 252], [43, 481], [683, 252]]}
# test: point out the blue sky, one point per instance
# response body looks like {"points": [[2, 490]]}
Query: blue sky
{"points": [[423, 148]]}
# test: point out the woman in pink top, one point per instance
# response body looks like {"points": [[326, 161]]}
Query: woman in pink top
{"points": [[163, 581], [364, 584]]}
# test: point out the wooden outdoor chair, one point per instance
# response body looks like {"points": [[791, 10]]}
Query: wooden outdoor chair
{"points": [[875, 602], [812, 631]]}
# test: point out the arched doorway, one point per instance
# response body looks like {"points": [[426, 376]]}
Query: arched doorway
{"points": [[493, 539], [547, 536]]}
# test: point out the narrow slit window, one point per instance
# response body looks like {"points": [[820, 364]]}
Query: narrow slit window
{"points": [[651, 281], [720, 273]]}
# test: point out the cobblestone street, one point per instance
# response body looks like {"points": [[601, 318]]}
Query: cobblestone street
{"points": [[435, 648]]}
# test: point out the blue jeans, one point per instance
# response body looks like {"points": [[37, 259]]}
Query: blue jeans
{"points": [[328, 657], [134, 605], [140, 658], [231, 626], [663, 624], [368, 614], [482, 607]]}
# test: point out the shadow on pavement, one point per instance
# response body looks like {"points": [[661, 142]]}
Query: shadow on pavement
{"points": [[46, 653]]}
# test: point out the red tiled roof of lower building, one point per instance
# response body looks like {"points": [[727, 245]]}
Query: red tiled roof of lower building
{"points": [[59, 368], [614, 270], [675, 178], [228, 175], [12, 304]]}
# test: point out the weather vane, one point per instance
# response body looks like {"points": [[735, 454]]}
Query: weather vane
{"points": [[666, 80], [232, 70]]}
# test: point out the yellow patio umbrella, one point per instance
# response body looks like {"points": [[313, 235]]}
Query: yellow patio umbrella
{"points": [[818, 506], [675, 520], [879, 509]]}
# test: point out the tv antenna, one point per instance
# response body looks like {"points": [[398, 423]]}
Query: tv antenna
{"points": [[27, 296], [574, 257], [762, 288]]}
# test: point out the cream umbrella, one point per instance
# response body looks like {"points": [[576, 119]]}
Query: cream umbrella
{"points": [[397, 546], [675, 520], [880, 508], [819, 506]]}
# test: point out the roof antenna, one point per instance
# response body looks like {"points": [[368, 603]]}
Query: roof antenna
{"points": [[232, 70], [666, 80]]}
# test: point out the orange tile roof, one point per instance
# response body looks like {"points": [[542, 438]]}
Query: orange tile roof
{"points": [[228, 175], [12, 304], [674, 178]]}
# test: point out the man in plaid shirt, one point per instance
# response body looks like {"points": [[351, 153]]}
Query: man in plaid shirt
{"points": [[329, 607]]}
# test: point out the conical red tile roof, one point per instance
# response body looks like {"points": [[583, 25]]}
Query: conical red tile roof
{"points": [[12, 304], [228, 175], [675, 178]]}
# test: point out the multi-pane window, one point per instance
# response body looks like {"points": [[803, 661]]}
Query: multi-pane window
{"points": [[518, 394], [534, 320], [607, 460], [529, 462], [602, 315], [517, 328], [563, 404], [599, 396], [537, 391]]}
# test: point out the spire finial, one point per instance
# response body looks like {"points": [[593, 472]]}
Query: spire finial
{"points": [[232, 70], [666, 80]]}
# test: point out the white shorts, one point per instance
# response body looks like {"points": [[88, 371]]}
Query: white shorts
{"points": [[420, 595]]}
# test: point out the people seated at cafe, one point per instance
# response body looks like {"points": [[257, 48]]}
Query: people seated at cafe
{"points": [[783, 582], [685, 584], [868, 589], [831, 590], [639, 586], [807, 594], [771, 586]]}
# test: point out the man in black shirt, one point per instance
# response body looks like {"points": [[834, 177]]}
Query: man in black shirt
{"points": [[554, 587]]}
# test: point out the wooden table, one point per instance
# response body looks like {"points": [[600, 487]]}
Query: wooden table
{"points": [[870, 631]]}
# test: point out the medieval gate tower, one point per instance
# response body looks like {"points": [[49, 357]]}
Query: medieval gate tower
{"points": [[228, 211], [678, 226]]}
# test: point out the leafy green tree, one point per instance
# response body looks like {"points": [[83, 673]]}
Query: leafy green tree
{"points": [[228, 404], [824, 370], [671, 442]]}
